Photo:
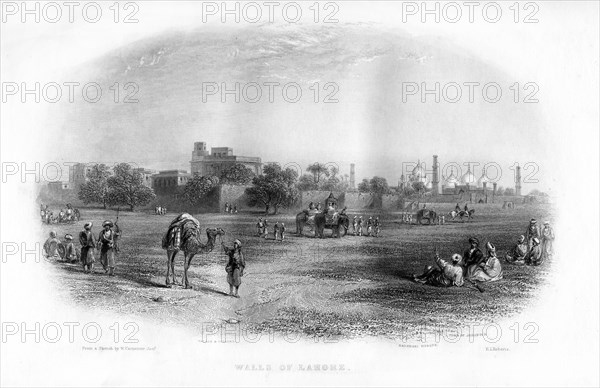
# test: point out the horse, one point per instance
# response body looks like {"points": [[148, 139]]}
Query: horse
{"points": [[461, 214]]}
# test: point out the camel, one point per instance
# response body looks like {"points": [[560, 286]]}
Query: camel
{"points": [[190, 245]]}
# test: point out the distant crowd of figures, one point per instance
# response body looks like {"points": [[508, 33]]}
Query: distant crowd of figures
{"points": [[231, 208]]}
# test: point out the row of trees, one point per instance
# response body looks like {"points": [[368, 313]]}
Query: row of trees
{"points": [[275, 188], [123, 187]]}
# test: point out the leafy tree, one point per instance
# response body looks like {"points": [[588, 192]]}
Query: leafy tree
{"points": [[499, 190], [126, 187], [364, 186], [407, 190], [418, 186], [319, 172], [238, 174], [538, 193], [509, 191], [306, 182], [274, 189], [95, 190], [198, 187], [379, 185]]}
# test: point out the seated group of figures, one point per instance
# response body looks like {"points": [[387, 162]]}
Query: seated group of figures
{"points": [[533, 248], [106, 243], [68, 215]]}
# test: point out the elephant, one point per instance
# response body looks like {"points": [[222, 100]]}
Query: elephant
{"points": [[430, 215], [320, 223]]}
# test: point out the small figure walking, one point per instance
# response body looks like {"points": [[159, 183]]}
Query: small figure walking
{"points": [[275, 230], [235, 266], [259, 227], [265, 229], [282, 231], [354, 225], [226, 207], [106, 243], [377, 226], [88, 244], [360, 221]]}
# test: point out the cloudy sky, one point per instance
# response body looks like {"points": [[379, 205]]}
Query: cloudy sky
{"points": [[366, 65]]}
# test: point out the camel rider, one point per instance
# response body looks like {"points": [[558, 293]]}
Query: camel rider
{"points": [[533, 231]]}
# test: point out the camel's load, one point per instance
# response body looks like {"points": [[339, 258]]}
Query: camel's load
{"points": [[181, 228]]}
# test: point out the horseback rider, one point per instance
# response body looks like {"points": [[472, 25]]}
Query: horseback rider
{"points": [[457, 208], [466, 208]]}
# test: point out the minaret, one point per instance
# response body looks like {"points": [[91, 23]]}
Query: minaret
{"points": [[352, 179], [436, 177], [518, 181]]}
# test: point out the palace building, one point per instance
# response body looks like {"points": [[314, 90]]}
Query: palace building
{"points": [[219, 159]]}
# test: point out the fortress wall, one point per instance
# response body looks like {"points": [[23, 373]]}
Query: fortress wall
{"points": [[355, 200], [391, 202]]}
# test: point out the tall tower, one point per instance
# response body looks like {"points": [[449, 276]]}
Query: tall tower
{"points": [[436, 176], [352, 177], [518, 181]]}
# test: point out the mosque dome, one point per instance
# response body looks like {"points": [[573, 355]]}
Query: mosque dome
{"points": [[484, 179], [418, 174], [468, 178], [451, 181]]}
